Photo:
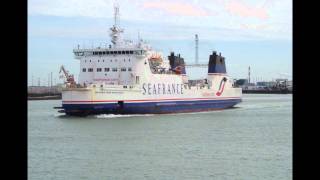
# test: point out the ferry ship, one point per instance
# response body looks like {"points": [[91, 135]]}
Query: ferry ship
{"points": [[132, 78]]}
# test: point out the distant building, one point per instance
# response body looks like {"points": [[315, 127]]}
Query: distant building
{"points": [[279, 84], [241, 82], [266, 85], [289, 85], [244, 84], [283, 84]]}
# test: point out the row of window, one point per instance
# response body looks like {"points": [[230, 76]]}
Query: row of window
{"points": [[124, 60], [139, 52], [106, 69], [112, 52]]}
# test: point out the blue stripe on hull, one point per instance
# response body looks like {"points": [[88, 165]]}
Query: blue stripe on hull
{"points": [[149, 107]]}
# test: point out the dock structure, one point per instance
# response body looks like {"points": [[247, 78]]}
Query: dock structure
{"points": [[44, 90], [279, 86]]}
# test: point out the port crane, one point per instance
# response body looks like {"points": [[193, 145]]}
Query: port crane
{"points": [[69, 77]]}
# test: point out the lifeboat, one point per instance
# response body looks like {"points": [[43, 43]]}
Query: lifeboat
{"points": [[178, 70]]}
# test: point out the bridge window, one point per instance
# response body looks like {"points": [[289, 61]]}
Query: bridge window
{"points": [[131, 52], [90, 60], [90, 69], [100, 53], [127, 52], [106, 69], [114, 69], [123, 69], [129, 69], [84, 70], [103, 52], [108, 52], [111, 52], [99, 69], [119, 52], [123, 52]]}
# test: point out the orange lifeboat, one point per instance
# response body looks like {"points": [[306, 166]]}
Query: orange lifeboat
{"points": [[178, 70], [155, 57]]}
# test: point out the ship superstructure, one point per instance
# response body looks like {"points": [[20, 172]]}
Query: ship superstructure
{"points": [[132, 78]]}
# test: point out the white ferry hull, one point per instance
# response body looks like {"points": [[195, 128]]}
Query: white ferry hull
{"points": [[130, 101]]}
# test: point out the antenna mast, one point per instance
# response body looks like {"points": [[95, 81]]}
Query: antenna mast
{"points": [[249, 74], [197, 41], [115, 29], [116, 14]]}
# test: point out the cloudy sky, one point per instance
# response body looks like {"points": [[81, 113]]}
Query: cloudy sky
{"points": [[256, 33]]}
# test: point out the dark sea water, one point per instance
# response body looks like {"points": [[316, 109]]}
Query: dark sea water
{"points": [[252, 141]]}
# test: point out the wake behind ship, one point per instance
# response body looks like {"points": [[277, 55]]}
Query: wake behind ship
{"points": [[128, 78]]}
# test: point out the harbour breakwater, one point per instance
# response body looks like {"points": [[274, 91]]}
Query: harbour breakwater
{"points": [[44, 96], [44, 92], [275, 91]]}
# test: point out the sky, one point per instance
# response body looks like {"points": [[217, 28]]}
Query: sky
{"points": [[255, 33]]}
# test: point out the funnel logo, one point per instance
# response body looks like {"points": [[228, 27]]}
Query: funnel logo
{"points": [[221, 87]]}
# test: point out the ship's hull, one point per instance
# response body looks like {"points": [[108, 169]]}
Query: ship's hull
{"points": [[148, 107]]}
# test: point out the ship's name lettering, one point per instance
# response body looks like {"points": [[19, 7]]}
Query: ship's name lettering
{"points": [[149, 89]]}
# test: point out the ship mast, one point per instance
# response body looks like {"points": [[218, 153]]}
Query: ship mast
{"points": [[115, 29]]}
